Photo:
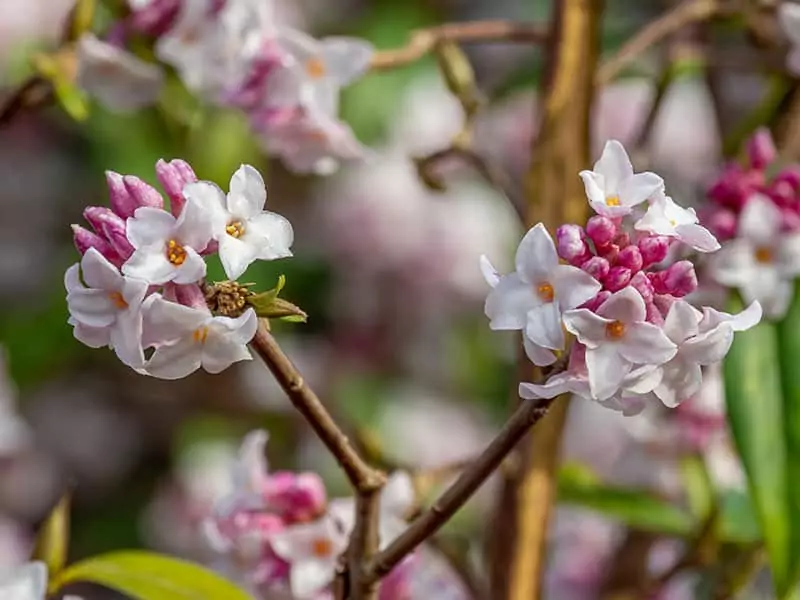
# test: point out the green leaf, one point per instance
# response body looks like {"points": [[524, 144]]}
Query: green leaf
{"points": [[71, 99], [634, 508], [150, 576], [53, 539], [755, 414], [789, 351]]}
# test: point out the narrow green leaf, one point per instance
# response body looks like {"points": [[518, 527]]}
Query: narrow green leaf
{"points": [[755, 414], [789, 350], [71, 99], [82, 18], [53, 539], [634, 508], [150, 576], [699, 489]]}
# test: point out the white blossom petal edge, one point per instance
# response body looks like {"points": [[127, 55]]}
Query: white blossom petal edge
{"points": [[26, 583], [665, 217]]}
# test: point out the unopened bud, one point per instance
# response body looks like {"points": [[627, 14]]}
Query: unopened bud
{"points": [[142, 193], [597, 267], [597, 301], [653, 315], [681, 279], [191, 295], [297, 497], [630, 257], [653, 249], [85, 239], [617, 278], [172, 176], [601, 230], [761, 149], [111, 227], [120, 199], [642, 284], [571, 245]]}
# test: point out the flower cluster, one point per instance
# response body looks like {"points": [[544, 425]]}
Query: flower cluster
{"points": [[756, 214], [635, 334], [233, 53], [285, 537], [141, 281]]}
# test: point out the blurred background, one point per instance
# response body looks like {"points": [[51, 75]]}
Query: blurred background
{"points": [[396, 342]]}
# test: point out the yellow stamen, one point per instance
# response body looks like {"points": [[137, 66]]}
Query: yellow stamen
{"points": [[175, 253], [763, 254], [615, 330], [200, 335], [613, 201], [315, 68], [118, 300], [322, 547], [545, 292], [235, 229]]}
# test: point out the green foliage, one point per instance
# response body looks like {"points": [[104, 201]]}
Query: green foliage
{"points": [[150, 576], [756, 417], [53, 539]]}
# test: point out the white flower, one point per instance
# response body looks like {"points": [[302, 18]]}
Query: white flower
{"points": [[26, 583], [189, 338], [312, 550], [665, 217], [119, 80], [167, 249], [244, 230], [320, 68], [612, 187], [700, 343], [762, 261], [533, 297], [616, 339], [789, 18], [108, 310]]}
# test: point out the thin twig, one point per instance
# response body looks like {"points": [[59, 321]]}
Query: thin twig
{"points": [[364, 545], [686, 13], [424, 40], [430, 521], [35, 91], [362, 476]]}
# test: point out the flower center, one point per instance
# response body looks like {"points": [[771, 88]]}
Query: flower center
{"points": [[175, 253], [763, 254], [545, 292], [615, 330], [200, 334], [613, 201], [235, 229], [315, 68], [322, 547], [118, 301]]}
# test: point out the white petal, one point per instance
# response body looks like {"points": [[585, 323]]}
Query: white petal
{"points": [[698, 237], [749, 317], [192, 270], [346, 58], [99, 273], [92, 307], [682, 322], [72, 278], [625, 305], [680, 382], [94, 337], [240, 330], [614, 165], [544, 326], [536, 256], [398, 495], [165, 321], [296, 542], [28, 582], [539, 356], [235, 256], [573, 286], [220, 352], [642, 380], [248, 194], [588, 327], [195, 226], [149, 226], [773, 293], [343, 512], [645, 343], [271, 234], [150, 264], [734, 263], [488, 271], [309, 576], [175, 360], [709, 347], [628, 405], [789, 255], [557, 385], [607, 369], [250, 469], [133, 291], [209, 197], [789, 16], [507, 304], [638, 188], [760, 221], [126, 338], [594, 185]]}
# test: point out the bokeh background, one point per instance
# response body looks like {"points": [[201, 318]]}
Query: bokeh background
{"points": [[396, 342]]}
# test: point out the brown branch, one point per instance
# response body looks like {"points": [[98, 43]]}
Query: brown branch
{"points": [[685, 13], [364, 545], [424, 40], [35, 91], [362, 476], [430, 521]]}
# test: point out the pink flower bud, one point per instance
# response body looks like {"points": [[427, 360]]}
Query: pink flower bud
{"points": [[653, 249], [641, 284], [173, 176], [571, 245], [142, 193], [679, 280], [623, 240], [617, 278], [596, 302], [298, 497], [610, 252], [156, 18], [721, 222], [735, 186], [190, 295], [761, 149], [85, 239], [790, 220], [110, 226], [597, 267], [601, 230], [120, 199], [652, 314], [789, 175], [630, 257], [664, 302]]}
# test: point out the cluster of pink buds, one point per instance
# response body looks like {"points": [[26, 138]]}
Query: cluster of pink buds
{"points": [[283, 536], [636, 337], [233, 53], [140, 284], [757, 217]]}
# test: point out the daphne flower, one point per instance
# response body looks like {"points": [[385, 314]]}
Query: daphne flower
{"points": [[665, 217], [189, 338], [312, 550], [533, 297], [119, 80], [789, 18], [617, 337], [244, 230], [761, 261], [167, 249], [108, 310], [612, 187], [26, 583]]}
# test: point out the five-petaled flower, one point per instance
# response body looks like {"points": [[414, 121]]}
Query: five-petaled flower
{"points": [[665, 217]]}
